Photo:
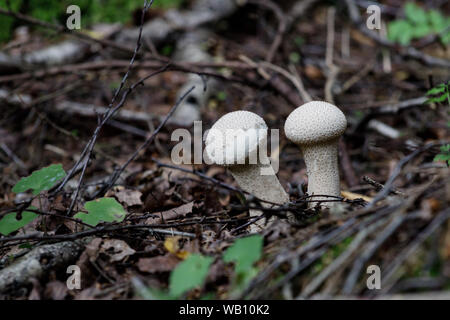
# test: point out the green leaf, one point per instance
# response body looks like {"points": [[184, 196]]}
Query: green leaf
{"points": [[294, 57], [400, 31], [40, 180], [445, 38], [189, 274], [405, 37], [244, 252], [25, 245], [221, 95], [421, 30], [103, 209], [9, 223], [441, 98], [442, 158], [415, 13], [437, 20], [167, 50], [438, 89], [445, 148], [299, 41]]}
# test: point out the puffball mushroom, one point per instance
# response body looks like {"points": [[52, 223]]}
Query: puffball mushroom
{"points": [[316, 127], [235, 141]]}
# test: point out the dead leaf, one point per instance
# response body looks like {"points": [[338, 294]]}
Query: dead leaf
{"points": [[56, 290], [89, 254], [164, 263], [181, 211], [217, 270], [313, 72], [129, 197], [353, 196], [172, 244], [214, 170], [93, 248], [117, 250], [35, 292]]}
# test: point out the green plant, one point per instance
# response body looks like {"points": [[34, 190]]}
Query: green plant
{"points": [[38, 181], [102, 210], [192, 272], [244, 253], [417, 24], [330, 255], [189, 274], [9, 223], [440, 93], [92, 11], [6, 23], [294, 57], [444, 156], [221, 95]]}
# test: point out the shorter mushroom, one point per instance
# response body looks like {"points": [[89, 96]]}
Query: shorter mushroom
{"points": [[316, 127], [234, 142]]}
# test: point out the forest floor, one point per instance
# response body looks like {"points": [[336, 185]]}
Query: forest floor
{"points": [[267, 58]]}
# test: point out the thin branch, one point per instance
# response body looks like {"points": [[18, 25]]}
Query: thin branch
{"points": [[120, 170]]}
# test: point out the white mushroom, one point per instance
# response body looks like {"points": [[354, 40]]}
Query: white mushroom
{"points": [[238, 141], [316, 127]]}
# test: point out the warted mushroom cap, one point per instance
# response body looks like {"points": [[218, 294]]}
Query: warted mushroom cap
{"points": [[315, 122], [234, 137]]}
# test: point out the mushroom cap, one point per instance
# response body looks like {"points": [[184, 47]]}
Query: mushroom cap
{"points": [[222, 148], [315, 122]]}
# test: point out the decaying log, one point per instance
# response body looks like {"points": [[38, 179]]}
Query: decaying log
{"points": [[38, 262]]}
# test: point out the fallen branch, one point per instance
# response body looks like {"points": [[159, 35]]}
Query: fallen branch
{"points": [[38, 262]]}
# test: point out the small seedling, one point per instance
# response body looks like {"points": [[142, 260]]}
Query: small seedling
{"points": [[192, 272], [444, 155], [440, 93], [38, 181]]}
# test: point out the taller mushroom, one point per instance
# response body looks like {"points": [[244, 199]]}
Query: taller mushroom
{"points": [[316, 127], [238, 140]]}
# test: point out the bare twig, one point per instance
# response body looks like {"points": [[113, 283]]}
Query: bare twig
{"points": [[388, 277], [341, 260], [378, 186], [282, 25], [87, 152], [397, 170], [333, 70], [149, 140]]}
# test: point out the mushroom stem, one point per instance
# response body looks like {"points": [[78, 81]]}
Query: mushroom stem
{"points": [[266, 187], [322, 169], [316, 127], [235, 141]]}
